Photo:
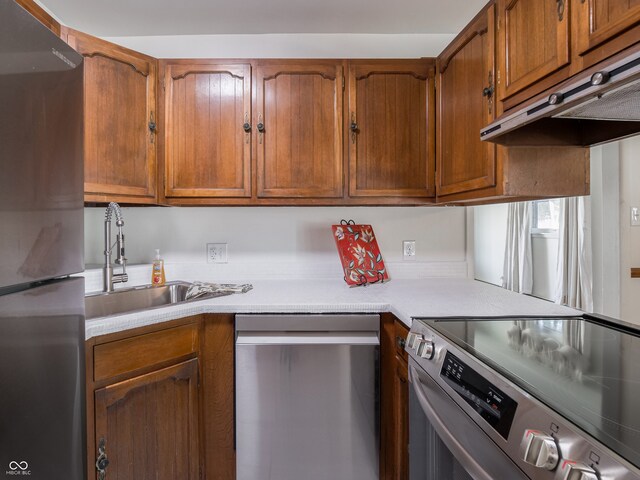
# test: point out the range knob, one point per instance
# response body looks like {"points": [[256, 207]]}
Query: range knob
{"points": [[412, 340], [539, 450], [570, 470], [600, 78], [425, 348], [555, 98]]}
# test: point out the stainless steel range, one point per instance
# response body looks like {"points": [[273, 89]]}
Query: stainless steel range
{"points": [[524, 398]]}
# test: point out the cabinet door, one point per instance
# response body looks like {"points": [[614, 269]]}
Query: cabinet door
{"points": [[149, 425], [391, 129], [533, 42], [120, 117], [207, 150], [298, 120], [601, 20], [465, 105], [401, 417]]}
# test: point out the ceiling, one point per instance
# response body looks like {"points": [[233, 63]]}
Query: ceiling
{"points": [[114, 18]]}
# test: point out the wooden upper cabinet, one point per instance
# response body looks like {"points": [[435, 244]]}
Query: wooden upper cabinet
{"points": [[534, 41], [298, 130], [207, 152], [391, 129], [602, 20], [148, 425], [120, 117], [466, 103]]}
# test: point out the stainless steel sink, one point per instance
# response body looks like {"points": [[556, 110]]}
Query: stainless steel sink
{"points": [[133, 299]]}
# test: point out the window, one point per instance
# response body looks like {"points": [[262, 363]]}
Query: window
{"points": [[545, 217]]}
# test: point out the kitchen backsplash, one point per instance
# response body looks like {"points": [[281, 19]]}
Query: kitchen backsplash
{"points": [[279, 242]]}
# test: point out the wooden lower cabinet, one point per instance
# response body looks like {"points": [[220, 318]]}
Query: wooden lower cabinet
{"points": [[401, 417], [394, 400], [218, 396], [148, 425], [160, 401]]}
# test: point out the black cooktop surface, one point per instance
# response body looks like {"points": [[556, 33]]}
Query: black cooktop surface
{"points": [[587, 371]]}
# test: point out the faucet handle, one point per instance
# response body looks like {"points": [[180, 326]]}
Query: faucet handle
{"points": [[120, 258]]}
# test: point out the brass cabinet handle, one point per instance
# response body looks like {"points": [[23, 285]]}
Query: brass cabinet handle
{"points": [[260, 128], [354, 128], [488, 92], [560, 5], [102, 462], [246, 126], [153, 127]]}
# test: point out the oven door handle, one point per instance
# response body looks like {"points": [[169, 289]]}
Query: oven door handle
{"points": [[459, 452]]}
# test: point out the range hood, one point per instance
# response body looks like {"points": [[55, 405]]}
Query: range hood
{"points": [[590, 109]]}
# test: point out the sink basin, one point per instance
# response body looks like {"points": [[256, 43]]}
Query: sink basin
{"points": [[133, 299]]}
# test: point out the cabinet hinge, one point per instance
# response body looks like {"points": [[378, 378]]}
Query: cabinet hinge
{"points": [[343, 83]]}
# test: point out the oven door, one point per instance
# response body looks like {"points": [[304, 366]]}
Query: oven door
{"points": [[444, 442]]}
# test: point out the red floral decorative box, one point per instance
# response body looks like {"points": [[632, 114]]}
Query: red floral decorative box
{"points": [[359, 253]]}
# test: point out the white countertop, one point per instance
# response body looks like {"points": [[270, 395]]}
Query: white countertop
{"points": [[406, 299]]}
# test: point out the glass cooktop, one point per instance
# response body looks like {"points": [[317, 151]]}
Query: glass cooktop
{"points": [[587, 371]]}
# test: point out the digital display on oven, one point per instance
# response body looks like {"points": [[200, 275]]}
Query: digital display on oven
{"points": [[489, 402]]}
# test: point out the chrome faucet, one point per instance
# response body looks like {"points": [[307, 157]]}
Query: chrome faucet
{"points": [[108, 277]]}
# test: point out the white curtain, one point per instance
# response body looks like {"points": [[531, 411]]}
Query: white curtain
{"points": [[574, 273], [518, 268]]}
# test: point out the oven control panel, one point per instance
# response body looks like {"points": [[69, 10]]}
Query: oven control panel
{"points": [[491, 403]]}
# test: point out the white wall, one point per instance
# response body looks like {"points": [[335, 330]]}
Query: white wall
{"points": [[629, 236], [343, 45], [278, 235], [544, 254], [605, 228], [490, 232]]}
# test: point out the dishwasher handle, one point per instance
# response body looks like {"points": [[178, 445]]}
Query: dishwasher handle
{"points": [[459, 429], [307, 338]]}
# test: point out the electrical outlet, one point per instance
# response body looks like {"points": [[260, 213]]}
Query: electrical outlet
{"points": [[216, 253], [635, 216], [409, 250]]}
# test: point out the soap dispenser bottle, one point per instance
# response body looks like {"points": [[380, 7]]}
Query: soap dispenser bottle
{"points": [[157, 271]]}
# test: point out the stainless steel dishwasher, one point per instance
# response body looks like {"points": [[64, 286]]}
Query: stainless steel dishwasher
{"points": [[307, 397]]}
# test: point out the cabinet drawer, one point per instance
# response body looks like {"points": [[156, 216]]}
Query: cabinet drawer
{"points": [[143, 351], [400, 335]]}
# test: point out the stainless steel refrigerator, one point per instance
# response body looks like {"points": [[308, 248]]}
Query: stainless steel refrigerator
{"points": [[42, 400]]}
